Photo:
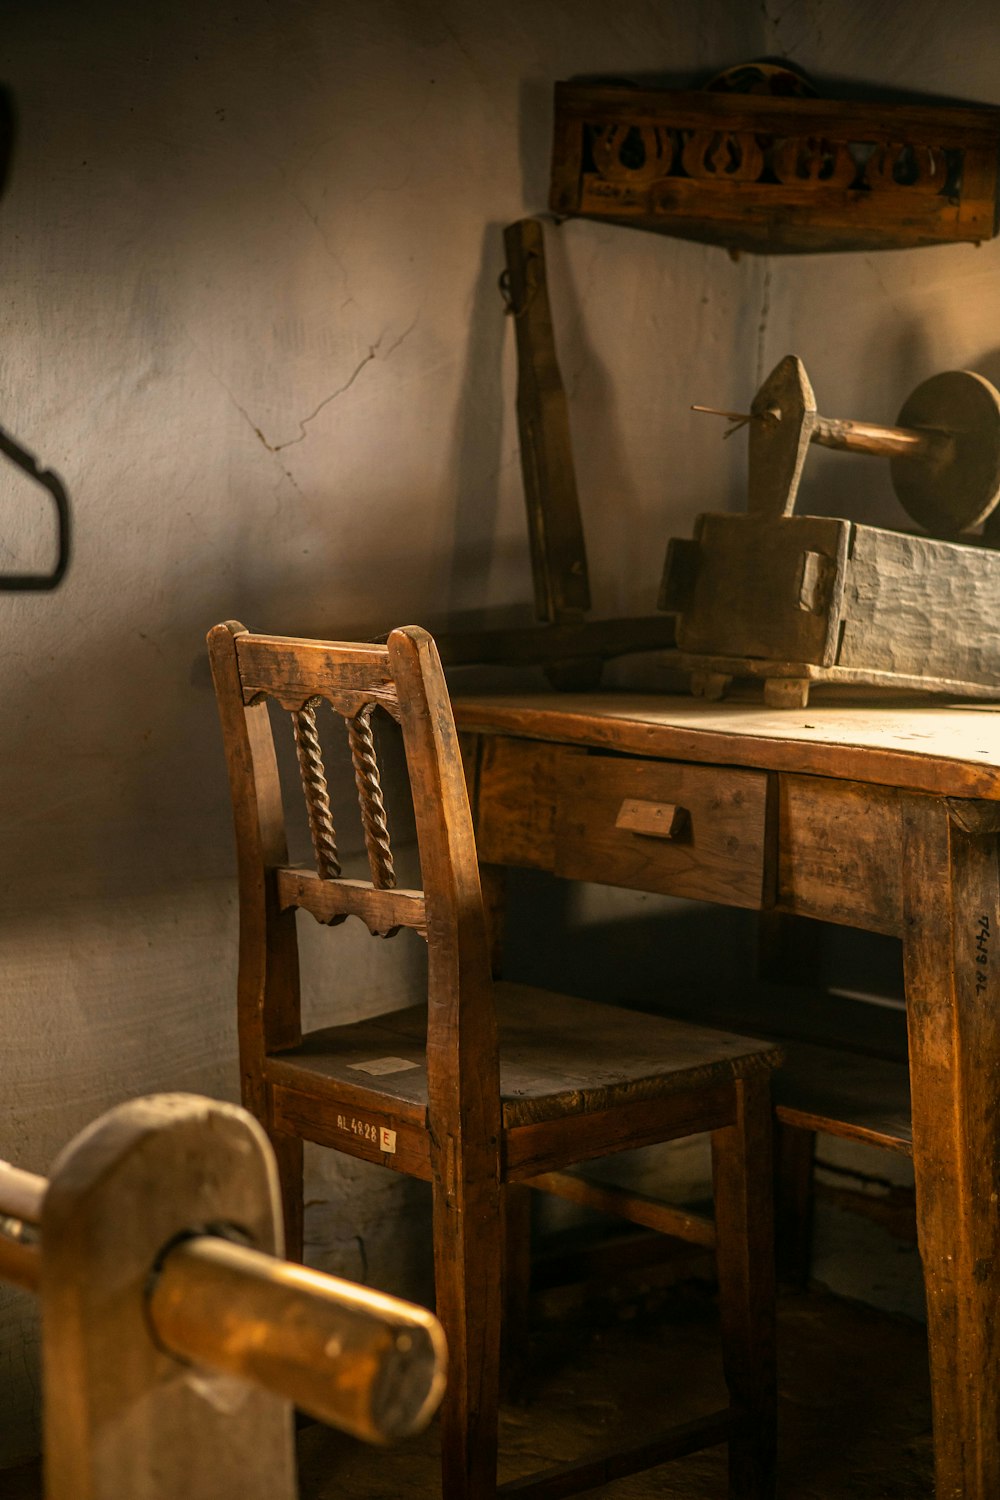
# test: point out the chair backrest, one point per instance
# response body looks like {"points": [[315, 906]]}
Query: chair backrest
{"points": [[405, 678]]}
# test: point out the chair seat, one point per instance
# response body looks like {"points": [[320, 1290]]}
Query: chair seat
{"points": [[558, 1056]]}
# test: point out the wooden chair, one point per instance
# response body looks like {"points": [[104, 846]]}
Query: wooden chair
{"points": [[488, 1084]]}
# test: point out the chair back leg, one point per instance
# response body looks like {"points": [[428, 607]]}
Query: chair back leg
{"points": [[742, 1174], [288, 1153]]}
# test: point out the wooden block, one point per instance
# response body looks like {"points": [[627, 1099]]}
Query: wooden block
{"points": [[712, 686], [786, 692], [765, 588], [802, 598], [659, 820], [921, 607]]}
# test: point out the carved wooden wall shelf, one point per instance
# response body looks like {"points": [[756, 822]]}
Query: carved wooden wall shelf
{"points": [[775, 174]]}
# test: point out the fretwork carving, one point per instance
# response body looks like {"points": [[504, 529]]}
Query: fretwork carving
{"points": [[775, 172], [637, 156], [814, 160], [733, 156], [632, 154]]}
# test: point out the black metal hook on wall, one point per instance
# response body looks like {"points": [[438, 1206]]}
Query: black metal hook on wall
{"points": [[26, 462]]}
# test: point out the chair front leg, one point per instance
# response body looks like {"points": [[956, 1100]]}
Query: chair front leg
{"points": [[468, 1272]]}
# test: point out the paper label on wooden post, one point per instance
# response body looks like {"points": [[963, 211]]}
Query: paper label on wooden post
{"points": [[386, 1138]]}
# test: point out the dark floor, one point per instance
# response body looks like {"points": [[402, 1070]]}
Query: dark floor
{"points": [[855, 1421]]}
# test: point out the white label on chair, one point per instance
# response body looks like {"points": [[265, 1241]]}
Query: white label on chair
{"points": [[380, 1065], [368, 1130]]}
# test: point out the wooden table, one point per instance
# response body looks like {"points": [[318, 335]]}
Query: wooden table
{"points": [[882, 818]]}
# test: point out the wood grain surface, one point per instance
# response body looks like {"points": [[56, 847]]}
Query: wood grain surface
{"points": [[717, 856], [953, 749]]}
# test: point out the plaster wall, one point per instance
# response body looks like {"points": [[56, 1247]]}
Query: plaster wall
{"points": [[872, 326], [250, 316]]}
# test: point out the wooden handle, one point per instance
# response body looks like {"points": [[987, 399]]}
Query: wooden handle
{"points": [[660, 820], [884, 442], [21, 1194], [371, 1365]]}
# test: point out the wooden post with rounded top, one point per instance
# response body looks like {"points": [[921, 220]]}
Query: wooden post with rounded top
{"points": [[123, 1417]]}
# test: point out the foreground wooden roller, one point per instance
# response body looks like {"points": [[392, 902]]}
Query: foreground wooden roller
{"points": [[174, 1339]]}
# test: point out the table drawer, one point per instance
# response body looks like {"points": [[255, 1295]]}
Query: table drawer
{"points": [[651, 825]]}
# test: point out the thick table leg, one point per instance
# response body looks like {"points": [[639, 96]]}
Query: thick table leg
{"points": [[951, 949]]}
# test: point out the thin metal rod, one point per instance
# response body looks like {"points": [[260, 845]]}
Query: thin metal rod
{"points": [[731, 416]]}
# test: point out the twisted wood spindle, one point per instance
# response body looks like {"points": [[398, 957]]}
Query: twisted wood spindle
{"points": [[310, 756], [369, 784]]}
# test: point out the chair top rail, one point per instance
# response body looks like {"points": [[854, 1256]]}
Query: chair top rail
{"points": [[292, 671]]}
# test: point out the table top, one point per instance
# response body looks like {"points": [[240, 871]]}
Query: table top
{"points": [[951, 749]]}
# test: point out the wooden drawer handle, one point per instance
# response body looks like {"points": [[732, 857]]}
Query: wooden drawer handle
{"points": [[660, 820]]}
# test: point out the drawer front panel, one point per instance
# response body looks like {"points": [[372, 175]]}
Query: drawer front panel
{"points": [[840, 853], [516, 795], [694, 831]]}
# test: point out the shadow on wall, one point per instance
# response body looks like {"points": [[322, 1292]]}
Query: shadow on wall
{"points": [[479, 435], [666, 955], [535, 117], [8, 126], [114, 772], [477, 552], [48, 480], [609, 502]]}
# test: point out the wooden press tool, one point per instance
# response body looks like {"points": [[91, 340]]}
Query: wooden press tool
{"points": [[944, 453], [799, 599]]}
